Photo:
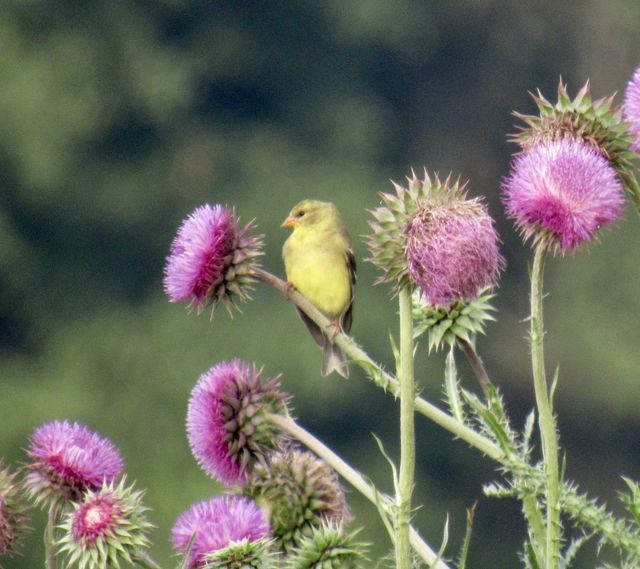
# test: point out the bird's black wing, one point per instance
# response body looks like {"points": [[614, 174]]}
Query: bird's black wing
{"points": [[317, 334], [347, 319]]}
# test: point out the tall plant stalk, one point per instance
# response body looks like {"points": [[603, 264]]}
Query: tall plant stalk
{"points": [[50, 537], [548, 431], [583, 510], [530, 506], [405, 375]]}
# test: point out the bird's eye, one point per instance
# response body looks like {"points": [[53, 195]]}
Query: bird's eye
{"points": [[300, 213]]}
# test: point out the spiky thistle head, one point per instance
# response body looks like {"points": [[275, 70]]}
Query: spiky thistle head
{"points": [[452, 250], [210, 527], [227, 423], [300, 491], [598, 124], [68, 459], [243, 554], [328, 546], [13, 513], [212, 259], [388, 242], [460, 320], [562, 192], [107, 527], [429, 234], [632, 109]]}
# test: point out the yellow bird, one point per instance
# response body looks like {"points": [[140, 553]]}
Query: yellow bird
{"points": [[319, 262]]}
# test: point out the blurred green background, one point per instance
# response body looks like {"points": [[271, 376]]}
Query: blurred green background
{"points": [[117, 118]]}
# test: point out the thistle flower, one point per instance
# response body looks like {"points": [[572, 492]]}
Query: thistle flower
{"points": [[68, 459], [211, 259], [107, 527], [563, 191], [598, 124], [430, 235], [327, 547], [210, 526], [632, 109], [227, 426], [452, 250], [300, 491], [13, 518]]}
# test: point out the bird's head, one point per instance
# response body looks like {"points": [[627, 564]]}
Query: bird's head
{"points": [[312, 213]]}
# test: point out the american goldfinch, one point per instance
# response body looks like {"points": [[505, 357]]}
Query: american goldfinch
{"points": [[319, 262]]}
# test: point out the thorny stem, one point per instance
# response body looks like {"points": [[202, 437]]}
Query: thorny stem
{"points": [[385, 379], [548, 432], [50, 537], [622, 537], [405, 374], [145, 559], [476, 365], [356, 479], [529, 502]]}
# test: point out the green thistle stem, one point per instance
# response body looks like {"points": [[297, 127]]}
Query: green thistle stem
{"points": [[574, 505], [146, 560], [50, 537], [356, 479], [382, 378], [405, 374], [529, 502], [548, 432], [476, 365]]}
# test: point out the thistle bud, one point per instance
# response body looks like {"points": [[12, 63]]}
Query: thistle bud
{"points": [[243, 554], [327, 547], [227, 423], [13, 518], [212, 259], [461, 320], [300, 492], [107, 527]]}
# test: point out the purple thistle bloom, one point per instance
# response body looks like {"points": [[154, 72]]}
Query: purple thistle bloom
{"points": [[211, 259], [563, 189], [215, 524], [452, 250], [226, 423], [632, 109], [68, 459]]}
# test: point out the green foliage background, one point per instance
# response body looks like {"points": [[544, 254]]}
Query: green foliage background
{"points": [[117, 118]]}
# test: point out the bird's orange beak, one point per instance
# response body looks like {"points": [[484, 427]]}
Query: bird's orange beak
{"points": [[289, 222]]}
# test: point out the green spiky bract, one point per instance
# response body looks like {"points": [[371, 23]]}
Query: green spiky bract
{"points": [[327, 547], [388, 242], [243, 554], [460, 321], [300, 491], [598, 124], [120, 540], [13, 513]]}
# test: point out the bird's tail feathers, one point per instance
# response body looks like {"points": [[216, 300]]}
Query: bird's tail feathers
{"points": [[334, 359]]}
